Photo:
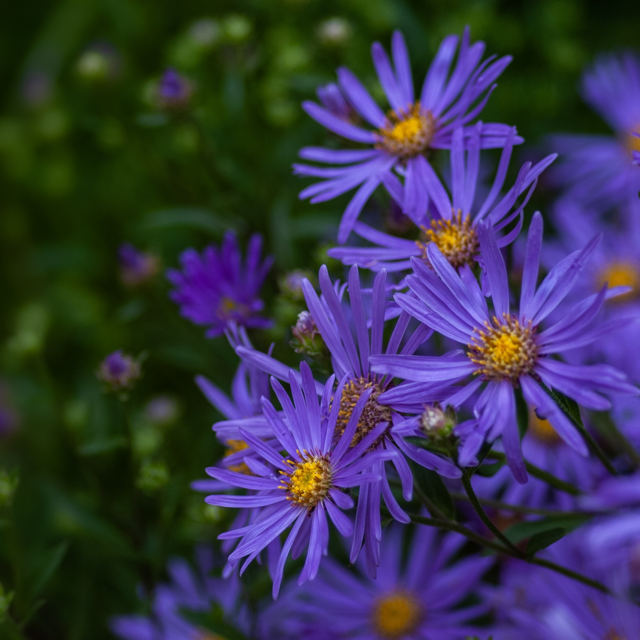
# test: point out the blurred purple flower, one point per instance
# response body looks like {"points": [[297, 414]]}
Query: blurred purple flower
{"points": [[174, 90], [36, 88], [136, 267], [401, 138], [217, 290], [334, 101], [119, 371]]}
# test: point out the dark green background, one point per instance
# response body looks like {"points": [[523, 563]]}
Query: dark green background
{"points": [[97, 164]]}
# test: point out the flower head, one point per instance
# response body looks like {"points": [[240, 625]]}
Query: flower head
{"points": [[119, 371], [449, 220], [419, 597], [597, 170], [317, 466], [174, 90], [504, 350], [136, 267], [217, 290], [401, 139]]}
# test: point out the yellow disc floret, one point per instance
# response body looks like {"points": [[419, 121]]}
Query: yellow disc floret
{"points": [[542, 430], [631, 142], [621, 274], [234, 446], [397, 615], [407, 133], [309, 481], [456, 238], [373, 413], [504, 349]]}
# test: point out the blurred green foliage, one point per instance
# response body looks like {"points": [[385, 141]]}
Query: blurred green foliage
{"points": [[94, 492]]}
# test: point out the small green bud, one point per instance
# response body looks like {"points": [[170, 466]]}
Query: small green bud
{"points": [[307, 338], [153, 476], [8, 484], [437, 423]]}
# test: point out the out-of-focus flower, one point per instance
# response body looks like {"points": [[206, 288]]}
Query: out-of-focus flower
{"points": [[216, 289], [417, 596], [189, 591], [36, 88], [453, 223], [334, 32], [635, 153], [9, 419], [401, 139], [99, 62], [334, 101], [236, 28], [136, 267], [318, 464], [291, 284], [174, 91], [162, 410], [119, 371], [205, 32], [504, 349], [596, 170]]}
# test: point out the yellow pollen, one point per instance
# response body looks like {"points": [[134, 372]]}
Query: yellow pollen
{"points": [[233, 446], [631, 142], [621, 274], [504, 350], [309, 480], [396, 615], [372, 414], [228, 309], [407, 132], [542, 430], [456, 238]]}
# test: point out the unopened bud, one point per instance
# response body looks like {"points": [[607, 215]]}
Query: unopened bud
{"points": [[119, 371], [437, 423], [307, 338], [334, 32], [174, 91], [291, 284]]}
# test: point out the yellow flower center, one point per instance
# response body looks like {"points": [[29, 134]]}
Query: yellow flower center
{"points": [[309, 480], [233, 446], [407, 132], [396, 615], [631, 142], [542, 430], [456, 238], [372, 414], [228, 309], [504, 350], [621, 274]]}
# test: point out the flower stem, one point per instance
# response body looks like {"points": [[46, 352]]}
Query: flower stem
{"points": [[541, 474], [475, 503], [497, 504]]}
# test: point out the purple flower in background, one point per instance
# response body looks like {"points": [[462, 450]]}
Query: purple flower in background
{"points": [[333, 100], [401, 138], [504, 350], [318, 464], [350, 359], [217, 290], [9, 419], [189, 589], [419, 596], [36, 88], [596, 169], [119, 371], [452, 226], [174, 90], [136, 267], [635, 153]]}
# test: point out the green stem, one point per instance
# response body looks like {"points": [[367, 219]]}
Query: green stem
{"points": [[448, 525], [543, 475], [428, 503], [497, 504], [466, 483]]}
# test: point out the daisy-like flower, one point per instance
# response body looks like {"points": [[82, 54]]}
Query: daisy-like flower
{"points": [[350, 342], [452, 226], [191, 590], [596, 170], [401, 138], [505, 350], [419, 596], [217, 290], [319, 463]]}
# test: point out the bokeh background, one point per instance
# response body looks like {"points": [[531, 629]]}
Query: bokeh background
{"points": [[89, 159]]}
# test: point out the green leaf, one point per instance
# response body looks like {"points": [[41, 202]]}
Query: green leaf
{"points": [[104, 445], [522, 530], [431, 484], [48, 567], [187, 217], [544, 539], [489, 470]]}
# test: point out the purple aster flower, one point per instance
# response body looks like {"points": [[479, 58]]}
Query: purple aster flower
{"points": [[534, 603], [350, 342], [174, 90], [454, 219], [192, 590], [217, 290], [318, 465], [596, 169], [504, 350], [401, 139], [136, 267], [119, 371], [417, 596], [333, 100]]}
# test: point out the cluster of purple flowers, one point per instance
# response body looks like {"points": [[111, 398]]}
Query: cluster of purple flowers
{"points": [[449, 358]]}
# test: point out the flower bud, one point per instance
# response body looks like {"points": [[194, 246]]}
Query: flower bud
{"points": [[291, 284], [307, 338], [437, 423], [334, 32], [119, 371], [153, 476], [136, 267], [174, 91]]}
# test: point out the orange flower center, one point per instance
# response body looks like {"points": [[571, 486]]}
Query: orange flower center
{"points": [[456, 238], [407, 132]]}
